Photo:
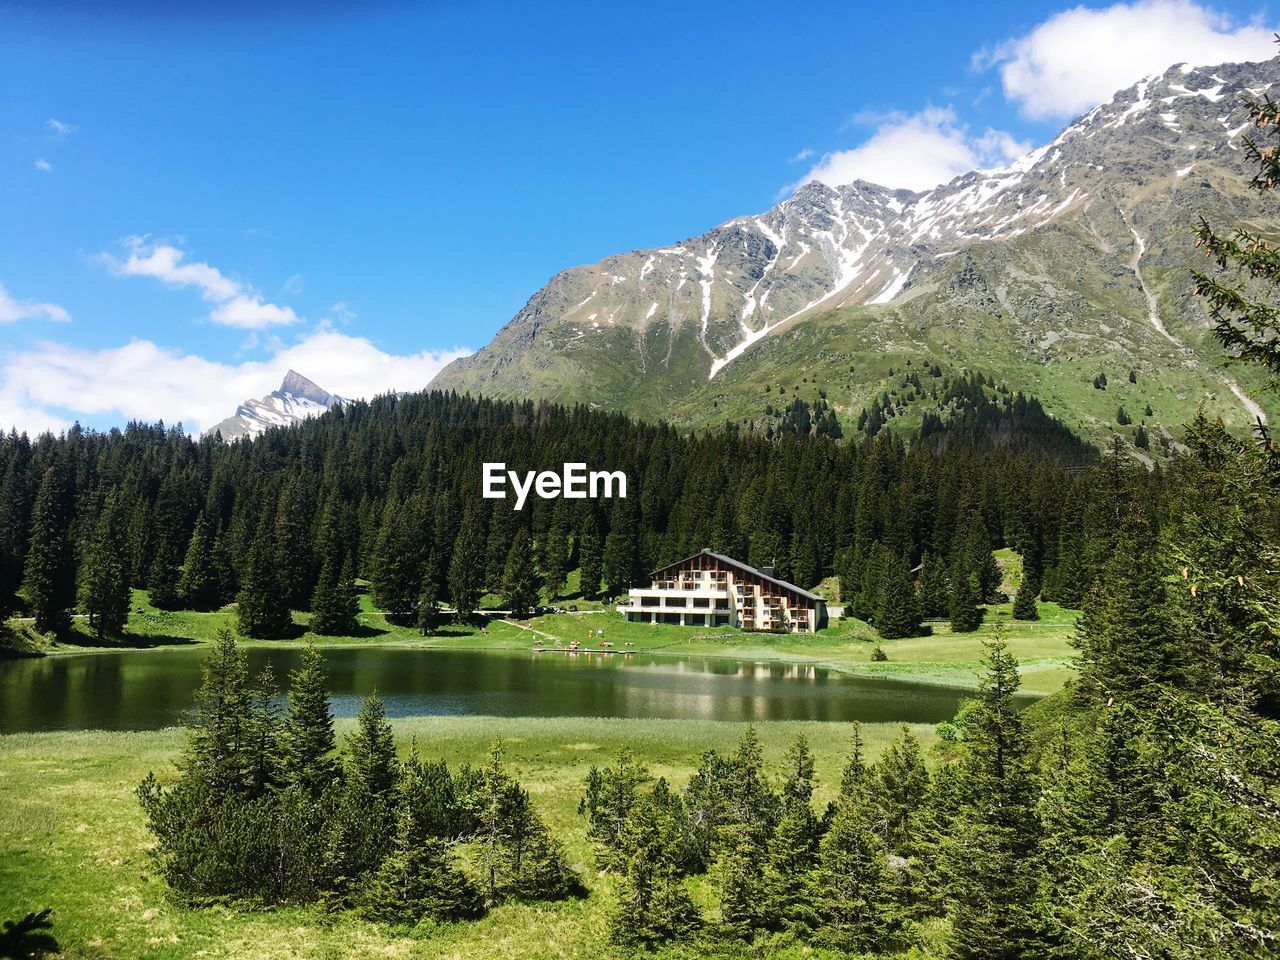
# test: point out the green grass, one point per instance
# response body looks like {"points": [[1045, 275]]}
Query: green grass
{"points": [[72, 838], [1042, 647]]}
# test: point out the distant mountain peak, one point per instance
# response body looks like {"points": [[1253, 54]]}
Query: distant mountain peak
{"points": [[1081, 245], [297, 399], [295, 384]]}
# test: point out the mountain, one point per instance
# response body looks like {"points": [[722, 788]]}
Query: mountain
{"points": [[297, 399], [1069, 262]]}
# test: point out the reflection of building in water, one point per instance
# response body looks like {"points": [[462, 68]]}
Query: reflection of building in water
{"points": [[712, 590]]}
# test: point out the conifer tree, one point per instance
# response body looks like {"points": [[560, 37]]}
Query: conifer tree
{"points": [[293, 558], [335, 604], [371, 751], [850, 883], [418, 880], [519, 579], [653, 906], [164, 575], [962, 605], [982, 561], [935, 592], [739, 877], [429, 595], [1024, 601], [786, 900], [104, 587], [590, 558], [397, 567], [555, 556], [610, 797], [1128, 636], [262, 610], [220, 754], [466, 568], [619, 558], [307, 740], [991, 857], [898, 610], [49, 579], [200, 585]]}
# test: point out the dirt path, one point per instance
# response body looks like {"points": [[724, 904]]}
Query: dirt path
{"points": [[1153, 314]]}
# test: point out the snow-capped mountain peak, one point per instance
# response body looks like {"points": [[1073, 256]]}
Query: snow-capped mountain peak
{"points": [[297, 399]]}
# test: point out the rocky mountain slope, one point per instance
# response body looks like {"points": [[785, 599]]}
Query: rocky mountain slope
{"points": [[297, 399], [1069, 262]]}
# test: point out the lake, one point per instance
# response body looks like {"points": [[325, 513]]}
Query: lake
{"points": [[150, 689]]}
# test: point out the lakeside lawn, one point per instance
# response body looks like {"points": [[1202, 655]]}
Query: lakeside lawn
{"points": [[72, 837], [1043, 647]]}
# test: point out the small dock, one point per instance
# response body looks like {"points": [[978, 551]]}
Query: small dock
{"points": [[602, 652]]}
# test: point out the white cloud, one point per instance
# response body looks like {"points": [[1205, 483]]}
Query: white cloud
{"points": [[251, 313], [59, 129], [1078, 58], [47, 386], [12, 310], [294, 284], [916, 151], [802, 156], [43, 165], [238, 304]]}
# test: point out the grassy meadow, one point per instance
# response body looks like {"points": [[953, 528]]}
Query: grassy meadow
{"points": [[72, 837]]}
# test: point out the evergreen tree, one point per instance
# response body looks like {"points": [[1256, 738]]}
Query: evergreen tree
{"points": [[428, 596], [221, 752], [262, 610], [962, 605], [418, 880], [164, 575], [519, 579], [590, 558], [1024, 601], [739, 877], [104, 587], [49, 580], [397, 566], [991, 858], [898, 611], [371, 751], [335, 605], [200, 585], [935, 592], [555, 557], [293, 558], [307, 740], [1129, 636], [619, 559], [850, 882], [610, 797], [1140, 437], [982, 562], [786, 900], [466, 568]]}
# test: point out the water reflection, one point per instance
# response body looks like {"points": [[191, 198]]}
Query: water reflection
{"points": [[132, 690]]}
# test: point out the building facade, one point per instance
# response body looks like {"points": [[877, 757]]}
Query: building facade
{"points": [[712, 590]]}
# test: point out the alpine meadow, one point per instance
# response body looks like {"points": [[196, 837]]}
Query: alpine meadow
{"points": [[893, 574]]}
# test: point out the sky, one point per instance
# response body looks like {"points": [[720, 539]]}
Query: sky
{"points": [[197, 197]]}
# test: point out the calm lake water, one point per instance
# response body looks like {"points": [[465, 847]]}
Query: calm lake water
{"points": [[150, 689]]}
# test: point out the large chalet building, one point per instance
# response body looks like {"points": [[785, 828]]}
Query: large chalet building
{"points": [[712, 590]]}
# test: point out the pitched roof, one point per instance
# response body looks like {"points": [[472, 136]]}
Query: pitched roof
{"points": [[745, 568]]}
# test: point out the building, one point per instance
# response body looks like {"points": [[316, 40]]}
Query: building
{"points": [[712, 590]]}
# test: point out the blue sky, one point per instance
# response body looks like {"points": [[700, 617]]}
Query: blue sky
{"points": [[196, 201]]}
